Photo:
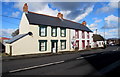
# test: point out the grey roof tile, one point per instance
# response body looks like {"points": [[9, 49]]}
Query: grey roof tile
{"points": [[97, 37], [16, 38], [40, 19]]}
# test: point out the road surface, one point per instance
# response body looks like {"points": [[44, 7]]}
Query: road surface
{"points": [[102, 63]]}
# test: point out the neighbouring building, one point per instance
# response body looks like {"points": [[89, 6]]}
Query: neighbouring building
{"points": [[4, 39], [115, 41], [98, 41], [39, 33], [2, 43]]}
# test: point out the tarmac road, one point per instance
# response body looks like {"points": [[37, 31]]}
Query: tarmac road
{"points": [[104, 62]]}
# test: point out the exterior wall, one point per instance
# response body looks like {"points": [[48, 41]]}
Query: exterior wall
{"points": [[7, 48], [72, 33], [100, 43], [25, 45], [35, 30], [91, 40], [30, 44], [80, 39], [24, 25]]}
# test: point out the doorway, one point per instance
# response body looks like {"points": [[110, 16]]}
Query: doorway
{"points": [[54, 46], [83, 44]]}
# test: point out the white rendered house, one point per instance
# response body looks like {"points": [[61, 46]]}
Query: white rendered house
{"points": [[40, 33]]}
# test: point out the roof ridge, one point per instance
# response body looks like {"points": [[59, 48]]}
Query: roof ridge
{"points": [[42, 14]]}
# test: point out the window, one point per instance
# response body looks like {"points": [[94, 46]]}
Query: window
{"points": [[63, 32], [88, 42], [83, 34], [77, 33], [43, 31], [53, 31], [88, 35], [63, 44], [42, 45]]}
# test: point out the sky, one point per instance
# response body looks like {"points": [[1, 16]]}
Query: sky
{"points": [[102, 16]]}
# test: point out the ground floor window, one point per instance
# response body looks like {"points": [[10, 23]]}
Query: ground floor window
{"points": [[63, 44], [42, 45]]}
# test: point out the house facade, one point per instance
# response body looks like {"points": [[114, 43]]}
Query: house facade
{"points": [[40, 33], [81, 39]]}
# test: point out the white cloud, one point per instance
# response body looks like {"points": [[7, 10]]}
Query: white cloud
{"points": [[15, 14], [94, 25], [113, 30], [6, 32], [111, 22], [111, 33], [105, 9], [68, 9], [111, 18], [93, 28], [98, 20], [110, 7], [7, 0], [113, 4], [32, 6], [80, 17], [42, 8], [106, 34], [49, 11]]}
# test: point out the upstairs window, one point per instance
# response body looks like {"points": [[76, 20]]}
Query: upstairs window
{"points": [[43, 31], [77, 33], [83, 34], [54, 31], [63, 32]]}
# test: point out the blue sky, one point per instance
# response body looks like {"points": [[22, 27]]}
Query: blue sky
{"points": [[96, 14]]}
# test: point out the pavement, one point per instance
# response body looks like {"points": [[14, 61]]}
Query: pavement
{"points": [[82, 52]]}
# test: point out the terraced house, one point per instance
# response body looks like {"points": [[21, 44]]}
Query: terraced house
{"points": [[40, 33]]}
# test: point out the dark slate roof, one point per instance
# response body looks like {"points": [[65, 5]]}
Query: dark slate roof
{"points": [[40, 19], [16, 38], [97, 37]]}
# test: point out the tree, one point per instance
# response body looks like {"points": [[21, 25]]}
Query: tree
{"points": [[15, 33]]}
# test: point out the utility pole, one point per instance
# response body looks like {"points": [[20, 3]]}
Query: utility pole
{"points": [[105, 24], [96, 31]]}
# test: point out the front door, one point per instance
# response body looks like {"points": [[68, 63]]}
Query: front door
{"points": [[54, 46], [83, 44]]}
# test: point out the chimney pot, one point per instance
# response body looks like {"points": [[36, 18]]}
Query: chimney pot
{"points": [[84, 23], [60, 15], [25, 8]]}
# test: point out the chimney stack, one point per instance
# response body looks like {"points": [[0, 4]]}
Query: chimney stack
{"points": [[25, 8], [84, 23], [60, 15]]}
